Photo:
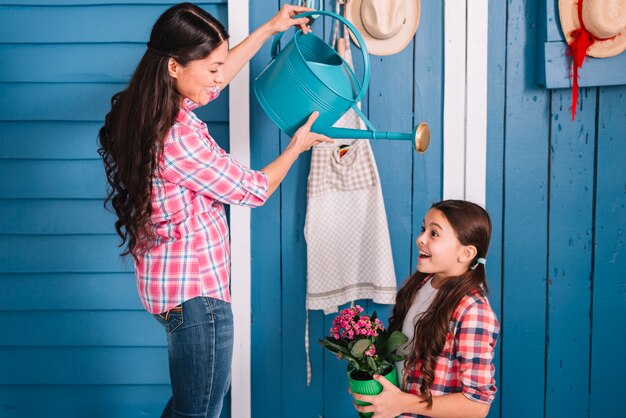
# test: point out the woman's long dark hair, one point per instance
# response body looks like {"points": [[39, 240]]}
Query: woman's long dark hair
{"points": [[472, 226], [140, 117]]}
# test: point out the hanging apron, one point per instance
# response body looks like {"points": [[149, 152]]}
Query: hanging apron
{"points": [[348, 248]]}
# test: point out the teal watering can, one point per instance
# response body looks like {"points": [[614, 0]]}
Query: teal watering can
{"points": [[308, 75]]}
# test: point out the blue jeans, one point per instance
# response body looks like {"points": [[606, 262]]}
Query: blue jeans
{"points": [[200, 351]]}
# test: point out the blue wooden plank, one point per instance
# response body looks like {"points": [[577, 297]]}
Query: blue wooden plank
{"points": [[496, 68], [83, 365], [218, 130], [609, 264], [61, 102], [82, 328], [552, 21], [66, 140], [569, 251], [266, 249], [92, 23], [49, 140], [390, 108], [594, 72], [53, 291], [76, 102], [428, 107], [296, 396], [73, 401], [24, 217], [62, 254], [525, 221], [56, 179], [63, 63]]}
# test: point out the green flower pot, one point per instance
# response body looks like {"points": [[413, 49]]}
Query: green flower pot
{"points": [[370, 387]]}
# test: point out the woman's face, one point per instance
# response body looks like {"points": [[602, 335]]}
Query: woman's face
{"points": [[198, 79]]}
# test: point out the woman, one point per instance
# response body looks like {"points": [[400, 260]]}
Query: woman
{"points": [[169, 181]]}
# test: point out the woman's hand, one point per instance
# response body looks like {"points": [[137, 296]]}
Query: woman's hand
{"points": [[284, 19], [304, 139], [301, 141], [387, 404]]}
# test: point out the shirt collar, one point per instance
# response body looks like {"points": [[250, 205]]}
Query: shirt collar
{"points": [[186, 116]]}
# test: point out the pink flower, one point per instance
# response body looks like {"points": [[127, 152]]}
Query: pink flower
{"points": [[371, 351]]}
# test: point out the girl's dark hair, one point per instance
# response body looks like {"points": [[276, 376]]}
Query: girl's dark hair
{"points": [[132, 136], [472, 226]]}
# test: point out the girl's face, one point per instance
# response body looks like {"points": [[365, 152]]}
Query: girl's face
{"points": [[198, 79], [440, 251]]}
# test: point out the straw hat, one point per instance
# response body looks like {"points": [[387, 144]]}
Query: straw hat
{"points": [[386, 26], [605, 20]]}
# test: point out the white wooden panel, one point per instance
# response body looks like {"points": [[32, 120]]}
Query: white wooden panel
{"points": [[238, 23], [454, 100], [476, 127]]}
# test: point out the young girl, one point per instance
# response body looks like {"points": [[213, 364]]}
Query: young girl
{"points": [[169, 181], [443, 309]]}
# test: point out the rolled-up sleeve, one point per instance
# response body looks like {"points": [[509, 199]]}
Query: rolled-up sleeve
{"points": [[478, 335], [200, 165]]}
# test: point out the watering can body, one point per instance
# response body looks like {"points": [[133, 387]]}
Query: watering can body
{"points": [[308, 75]]}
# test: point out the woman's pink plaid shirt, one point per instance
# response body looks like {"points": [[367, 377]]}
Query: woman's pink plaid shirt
{"points": [[466, 363], [191, 254]]}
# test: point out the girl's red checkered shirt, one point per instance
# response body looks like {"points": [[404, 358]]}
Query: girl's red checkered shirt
{"points": [[466, 363]]}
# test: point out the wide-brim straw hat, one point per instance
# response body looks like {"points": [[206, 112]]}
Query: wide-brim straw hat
{"points": [[605, 20], [387, 27]]}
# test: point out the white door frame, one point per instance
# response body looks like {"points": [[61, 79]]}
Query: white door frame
{"points": [[465, 100], [239, 129]]}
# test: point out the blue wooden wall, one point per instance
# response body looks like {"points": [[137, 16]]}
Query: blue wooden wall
{"points": [[556, 192], [76, 340]]}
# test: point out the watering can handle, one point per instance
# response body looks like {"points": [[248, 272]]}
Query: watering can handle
{"points": [[357, 35]]}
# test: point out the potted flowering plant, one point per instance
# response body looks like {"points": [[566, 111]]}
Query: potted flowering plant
{"points": [[369, 349]]}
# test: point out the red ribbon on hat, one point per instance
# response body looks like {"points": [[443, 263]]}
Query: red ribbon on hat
{"points": [[581, 41]]}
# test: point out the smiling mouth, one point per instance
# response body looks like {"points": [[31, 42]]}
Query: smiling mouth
{"points": [[424, 255], [211, 90]]}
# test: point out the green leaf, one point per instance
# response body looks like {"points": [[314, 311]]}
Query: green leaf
{"points": [[351, 359], [395, 340], [371, 363], [360, 347], [341, 341], [373, 317], [395, 357], [333, 347]]}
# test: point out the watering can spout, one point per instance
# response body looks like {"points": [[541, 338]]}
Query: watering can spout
{"points": [[420, 137]]}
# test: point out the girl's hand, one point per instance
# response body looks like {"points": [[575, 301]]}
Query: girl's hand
{"points": [[304, 139], [283, 19], [388, 404]]}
